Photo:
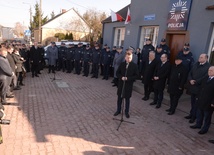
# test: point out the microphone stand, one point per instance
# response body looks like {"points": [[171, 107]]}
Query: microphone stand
{"points": [[123, 102]]}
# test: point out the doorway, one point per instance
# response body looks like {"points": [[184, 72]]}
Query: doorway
{"points": [[176, 44]]}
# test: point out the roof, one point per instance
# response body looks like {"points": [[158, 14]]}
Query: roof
{"points": [[122, 12]]}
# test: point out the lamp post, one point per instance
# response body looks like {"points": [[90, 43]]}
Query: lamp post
{"points": [[40, 21]]}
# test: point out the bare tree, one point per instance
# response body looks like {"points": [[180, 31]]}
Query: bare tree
{"points": [[19, 30]]}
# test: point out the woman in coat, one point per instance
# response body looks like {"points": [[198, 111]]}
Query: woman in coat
{"points": [[52, 55]]}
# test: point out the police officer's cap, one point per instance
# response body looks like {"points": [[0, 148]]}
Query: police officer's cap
{"points": [[186, 49], [114, 47], [107, 47], [163, 40], [72, 44], [178, 58], [87, 46], [53, 43], [120, 47], [159, 46], [62, 43], [79, 43], [132, 48], [148, 39]]}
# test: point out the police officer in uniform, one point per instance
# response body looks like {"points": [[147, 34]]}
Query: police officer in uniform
{"points": [[86, 60], [77, 59], [106, 62], [145, 53], [96, 59], [165, 47], [69, 54], [61, 57]]}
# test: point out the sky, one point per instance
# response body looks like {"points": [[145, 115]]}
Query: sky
{"points": [[12, 11]]}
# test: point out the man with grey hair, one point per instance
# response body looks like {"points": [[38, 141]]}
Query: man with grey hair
{"points": [[195, 77]]}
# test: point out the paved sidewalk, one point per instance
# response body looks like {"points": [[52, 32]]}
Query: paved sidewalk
{"points": [[73, 116]]}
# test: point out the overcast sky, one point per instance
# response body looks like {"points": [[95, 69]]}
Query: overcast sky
{"points": [[12, 11]]}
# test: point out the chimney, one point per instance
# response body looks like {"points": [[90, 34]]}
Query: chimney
{"points": [[63, 10]]}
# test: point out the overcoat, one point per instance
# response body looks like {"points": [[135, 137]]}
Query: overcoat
{"points": [[118, 59], [131, 72], [52, 55]]}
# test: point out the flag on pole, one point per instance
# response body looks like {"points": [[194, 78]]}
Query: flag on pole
{"points": [[128, 17], [115, 17]]}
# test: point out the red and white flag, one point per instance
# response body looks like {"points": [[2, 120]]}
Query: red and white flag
{"points": [[128, 17], [115, 17]]}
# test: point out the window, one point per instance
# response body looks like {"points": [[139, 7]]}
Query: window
{"points": [[119, 35], [149, 32]]}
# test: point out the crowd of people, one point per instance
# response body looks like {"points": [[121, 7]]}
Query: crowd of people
{"points": [[151, 65]]}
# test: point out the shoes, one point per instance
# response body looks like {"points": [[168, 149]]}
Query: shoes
{"points": [[201, 132], [22, 84], [116, 113], [17, 88], [39, 73], [114, 85], [127, 115], [157, 106], [32, 76], [103, 78], [36, 75], [153, 103], [5, 103], [93, 77], [171, 113], [145, 98], [211, 141], [188, 117], [10, 96], [195, 127], [168, 110], [192, 120]]}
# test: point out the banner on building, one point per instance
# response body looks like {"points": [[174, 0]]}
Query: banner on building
{"points": [[178, 14]]}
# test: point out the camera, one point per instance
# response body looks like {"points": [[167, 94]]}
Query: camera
{"points": [[5, 121]]}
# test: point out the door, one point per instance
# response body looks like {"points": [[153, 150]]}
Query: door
{"points": [[176, 44]]}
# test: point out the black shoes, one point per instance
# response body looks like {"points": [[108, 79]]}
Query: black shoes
{"points": [[201, 132], [171, 113], [158, 106], [153, 103], [114, 85], [17, 88], [211, 141], [188, 117], [36, 75], [192, 120], [22, 84], [116, 113], [145, 98], [168, 110], [93, 77], [6, 103], [127, 115], [195, 127]]}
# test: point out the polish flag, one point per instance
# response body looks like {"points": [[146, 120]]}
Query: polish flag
{"points": [[115, 17], [128, 17]]}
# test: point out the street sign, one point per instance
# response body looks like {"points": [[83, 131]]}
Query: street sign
{"points": [[27, 32]]}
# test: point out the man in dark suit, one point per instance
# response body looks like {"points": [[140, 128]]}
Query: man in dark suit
{"points": [[161, 73], [205, 103], [195, 77], [177, 79], [5, 72], [126, 73], [35, 58], [147, 75]]}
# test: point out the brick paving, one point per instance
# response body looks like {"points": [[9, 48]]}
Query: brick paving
{"points": [[73, 116]]}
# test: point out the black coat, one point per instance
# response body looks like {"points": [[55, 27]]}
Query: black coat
{"points": [[161, 71], [145, 52], [35, 55], [5, 69], [206, 97], [177, 79], [132, 74], [148, 71], [197, 73]]}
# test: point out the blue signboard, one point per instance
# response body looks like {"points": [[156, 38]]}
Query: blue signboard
{"points": [[149, 17], [27, 32], [178, 15]]}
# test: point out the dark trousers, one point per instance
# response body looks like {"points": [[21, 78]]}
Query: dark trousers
{"points": [[63, 65], [34, 69], [119, 104], [20, 77], [51, 68], [148, 88], [77, 66], [69, 66], [101, 69], [194, 108], [86, 68], [59, 64], [204, 116], [3, 90], [95, 67], [174, 98], [158, 96], [106, 71]]}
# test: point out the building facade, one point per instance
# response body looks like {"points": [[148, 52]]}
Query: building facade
{"points": [[178, 21]]}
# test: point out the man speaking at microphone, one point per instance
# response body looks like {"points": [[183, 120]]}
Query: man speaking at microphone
{"points": [[126, 73]]}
